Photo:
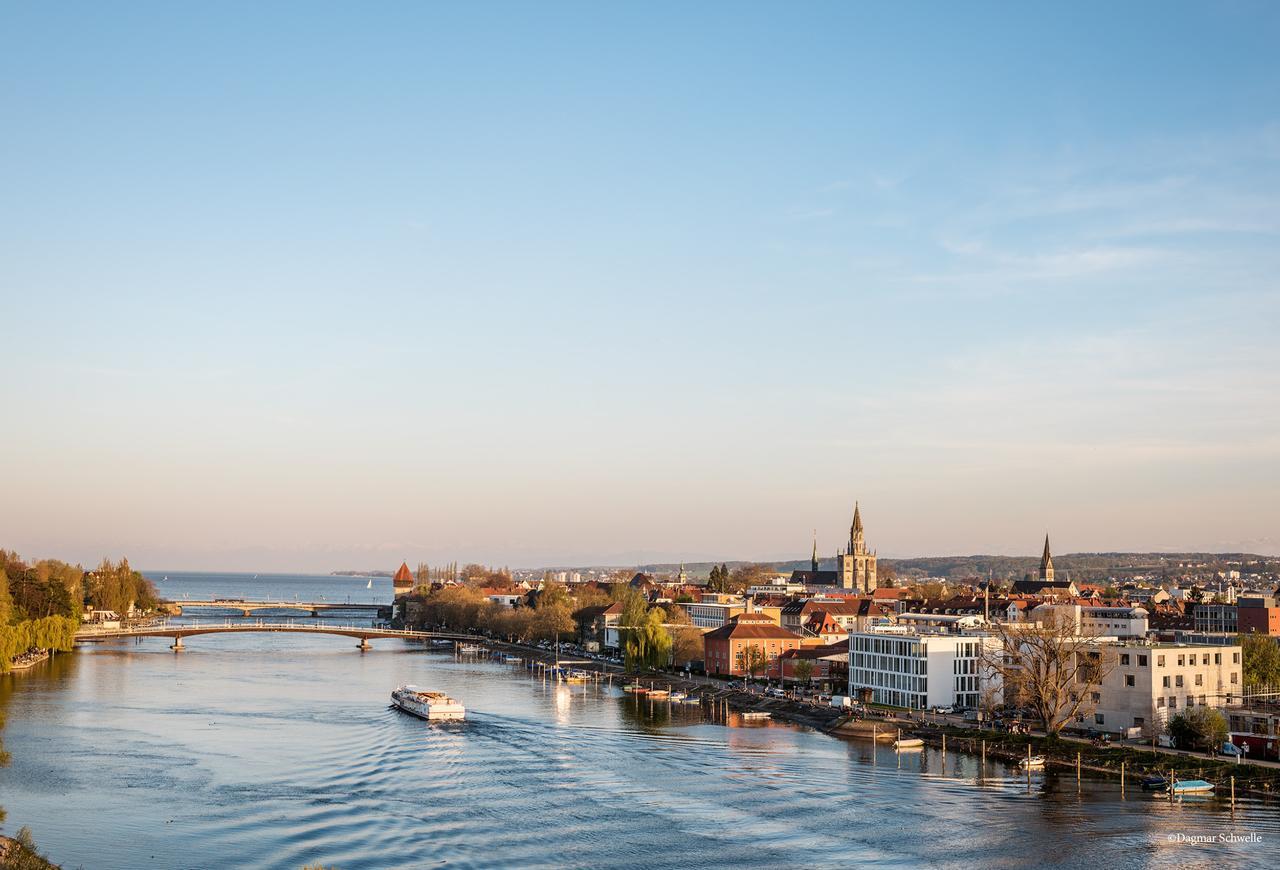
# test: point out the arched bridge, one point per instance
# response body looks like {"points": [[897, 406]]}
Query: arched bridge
{"points": [[177, 631], [246, 607]]}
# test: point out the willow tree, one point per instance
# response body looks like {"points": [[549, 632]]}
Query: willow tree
{"points": [[646, 643]]}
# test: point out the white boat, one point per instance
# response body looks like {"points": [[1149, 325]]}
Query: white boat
{"points": [[908, 743], [677, 696], [1032, 761], [755, 715], [470, 649], [369, 585], [432, 706]]}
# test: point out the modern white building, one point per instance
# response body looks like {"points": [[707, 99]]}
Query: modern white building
{"points": [[918, 670], [1148, 684], [1097, 621]]}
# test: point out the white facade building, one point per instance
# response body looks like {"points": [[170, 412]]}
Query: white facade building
{"points": [[919, 670]]}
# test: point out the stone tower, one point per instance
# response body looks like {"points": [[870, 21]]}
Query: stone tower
{"points": [[856, 567], [1046, 563]]}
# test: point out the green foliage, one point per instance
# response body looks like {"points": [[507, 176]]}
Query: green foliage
{"points": [[753, 660], [6, 600], [50, 632], [646, 641], [1261, 660], [803, 670], [1198, 728]]}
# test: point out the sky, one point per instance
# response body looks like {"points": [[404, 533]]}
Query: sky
{"points": [[318, 286]]}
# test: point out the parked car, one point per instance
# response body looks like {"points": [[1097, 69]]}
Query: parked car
{"points": [[943, 709]]}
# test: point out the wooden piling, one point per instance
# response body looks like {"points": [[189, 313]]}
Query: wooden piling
{"points": [[1122, 779]]}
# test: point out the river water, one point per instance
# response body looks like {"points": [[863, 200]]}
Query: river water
{"points": [[260, 750]]}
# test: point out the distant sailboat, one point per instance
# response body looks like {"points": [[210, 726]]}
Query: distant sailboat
{"points": [[369, 585]]}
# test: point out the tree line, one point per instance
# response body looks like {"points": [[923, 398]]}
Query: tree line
{"points": [[41, 604]]}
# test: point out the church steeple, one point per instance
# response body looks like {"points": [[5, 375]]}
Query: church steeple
{"points": [[814, 561], [1046, 562], [856, 544]]}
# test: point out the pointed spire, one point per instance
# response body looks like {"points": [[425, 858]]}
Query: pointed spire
{"points": [[814, 561], [1046, 560], [857, 518]]}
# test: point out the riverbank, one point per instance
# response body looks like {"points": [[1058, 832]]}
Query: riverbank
{"points": [[21, 854]]}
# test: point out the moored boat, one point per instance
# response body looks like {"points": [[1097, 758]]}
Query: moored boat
{"points": [[755, 715], [432, 706], [470, 649], [1192, 786], [1032, 761], [659, 693], [677, 696], [908, 743], [635, 689]]}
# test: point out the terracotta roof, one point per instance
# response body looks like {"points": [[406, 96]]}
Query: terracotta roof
{"points": [[737, 629], [404, 575]]}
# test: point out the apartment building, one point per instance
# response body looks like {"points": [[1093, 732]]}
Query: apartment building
{"points": [[1151, 683], [918, 670]]}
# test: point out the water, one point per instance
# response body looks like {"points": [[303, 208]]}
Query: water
{"points": [[277, 751]]}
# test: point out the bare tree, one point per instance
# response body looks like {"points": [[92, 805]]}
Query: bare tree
{"points": [[1048, 666]]}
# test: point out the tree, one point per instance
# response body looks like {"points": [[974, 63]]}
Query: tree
{"points": [[1198, 728], [752, 660], [646, 642], [802, 670], [745, 576], [6, 600], [1261, 655], [1046, 666]]}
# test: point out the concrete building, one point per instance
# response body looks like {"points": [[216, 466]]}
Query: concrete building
{"points": [[1258, 614], [1151, 683], [918, 670], [1095, 621], [1215, 618], [714, 610]]}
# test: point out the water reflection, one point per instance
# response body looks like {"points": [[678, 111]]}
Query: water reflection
{"points": [[267, 750]]}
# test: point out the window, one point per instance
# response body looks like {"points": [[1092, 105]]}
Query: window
{"points": [[1177, 681], [1160, 661], [1191, 700], [1124, 658], [1204, 659], [1096, 697], [1138, 721], [1164, 682], [1235, 678], [1199, 679], [1182, 660], [1235, 659], [1159, 702], [1217, 658], [1173, 702], [1128, 679], [1142, 661], [1099, 719]]}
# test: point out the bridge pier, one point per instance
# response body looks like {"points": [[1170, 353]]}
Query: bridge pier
{"points": [[364, 644], [177, 646]]}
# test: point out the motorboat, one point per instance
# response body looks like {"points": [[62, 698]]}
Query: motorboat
{"points": [[1032, 761]]}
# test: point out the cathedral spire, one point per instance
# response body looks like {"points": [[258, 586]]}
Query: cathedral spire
{"points": [[814, 561], [857, 518]]}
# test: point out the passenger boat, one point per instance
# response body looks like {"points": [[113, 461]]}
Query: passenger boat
{"points": [[1032, 761], [1192, 786], [470, 649], [755, 715], [908, 743], [432, 706]]}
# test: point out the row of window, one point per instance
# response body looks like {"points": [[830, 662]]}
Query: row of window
{"points": [[1183, 660]]}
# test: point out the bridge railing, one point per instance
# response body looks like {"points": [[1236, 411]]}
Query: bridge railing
{"points": [[168, 627]]}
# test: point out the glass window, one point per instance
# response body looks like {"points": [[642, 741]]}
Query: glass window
{"points": [[1160, 661], [1177, 681], [1142, 661], [1199, 679], [1128, 679], [1124, 658]]}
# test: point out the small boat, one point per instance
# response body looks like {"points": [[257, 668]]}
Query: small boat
{"points": [[677, 696], [432, 706], [659, 693], [1192, 786], [908, 743], [442, 643], [512, 660], [1155, 783], [691, 699], [755, 715], [470, 649], [369, 585], [635, 689], [1032, 761]]}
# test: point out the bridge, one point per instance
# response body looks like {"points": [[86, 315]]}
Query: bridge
{"points": [[247, 607], [177, 631]]}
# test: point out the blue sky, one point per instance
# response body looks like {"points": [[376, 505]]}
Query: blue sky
{"points": [[329, 285]]}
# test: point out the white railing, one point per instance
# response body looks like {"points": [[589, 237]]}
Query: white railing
{"points": [[171, 628]]}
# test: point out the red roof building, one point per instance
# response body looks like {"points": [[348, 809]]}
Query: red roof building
{"points": [[403, 581], [727, 649]]}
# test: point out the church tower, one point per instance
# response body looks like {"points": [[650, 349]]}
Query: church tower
{"points": [[1046, 563], [813, 563], [857, 565]]}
